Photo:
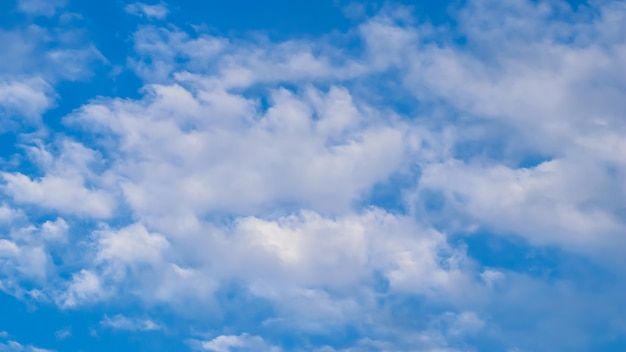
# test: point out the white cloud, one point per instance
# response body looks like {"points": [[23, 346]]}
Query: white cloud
{"points": [[292, 262], [31, 66], [466, 323], [131, 244], [283, 155], [386, 42], [63, 334], [8, 214], [28, 262], [84, 287], [26, 252], [225, 176], [158, 11], [46, 8], [556, 202], [243, 342], [120, 322], [68, 196], [75, 64], [532, 87], [8, 248], [55, 231], [165, 53], [14, 346], [491, 277], [65, 187], [24, 100], [29, 58]]}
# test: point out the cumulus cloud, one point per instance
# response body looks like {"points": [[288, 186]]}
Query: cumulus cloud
{"points": [[65, 185], [244, 177], [131, 244], [24, 100], [538, 203], [316, 149], [25, 254], [61, 194], [84, 287], [9, 214]]}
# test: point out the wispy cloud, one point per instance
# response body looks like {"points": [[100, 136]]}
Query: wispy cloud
{"points": [[14, 346], [248, 186], [120, 322], [225, 343], [158, 11], [40, 7], [63, 334]]}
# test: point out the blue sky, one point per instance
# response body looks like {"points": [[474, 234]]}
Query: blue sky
{"points": [[312, 176]]}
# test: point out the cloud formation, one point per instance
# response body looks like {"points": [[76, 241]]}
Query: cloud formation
{"points": [[296, 195]]}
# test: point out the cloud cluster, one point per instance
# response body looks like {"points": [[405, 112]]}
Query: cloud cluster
{"points": [[244, 178], [35, 59]]}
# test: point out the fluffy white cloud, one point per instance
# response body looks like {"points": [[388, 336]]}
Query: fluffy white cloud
{"points": [[287, 261], [8, 214], [24, 100], [85, 287], [69, 196], [534, 93], [247, 165], [555, 203], [314, 149], [67, 185], [130, 244], [25, 254]]}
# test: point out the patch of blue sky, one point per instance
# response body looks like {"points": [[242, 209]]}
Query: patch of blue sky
{"points": [[393, 194], [513, 253], [47, 327]]}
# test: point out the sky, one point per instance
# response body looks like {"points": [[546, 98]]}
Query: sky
{"points": [[312, 175]]}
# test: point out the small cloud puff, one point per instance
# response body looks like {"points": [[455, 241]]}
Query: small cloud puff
{"points": [[120, 322], [158, 11], [225, 343], [63, 334]]}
